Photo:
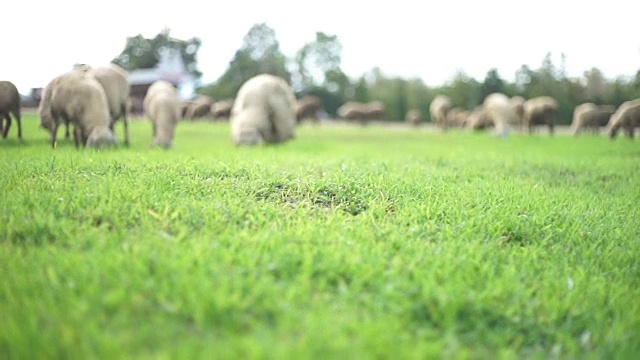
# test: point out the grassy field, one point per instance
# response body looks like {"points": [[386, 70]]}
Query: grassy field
{"points": [[346, 242]]}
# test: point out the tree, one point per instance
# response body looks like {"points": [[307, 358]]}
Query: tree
{"points": [[492, 83], [318, 62], [143, 53], [259, 54], [596, 87]]}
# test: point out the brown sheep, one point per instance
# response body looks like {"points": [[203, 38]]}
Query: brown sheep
{"points": [[200, 107], [540, 111], [353, 110], [456, 118], [375, 110], [627, 116], [518, 106], [413, 117], [222, 109], [307, 107], [263, 112], [9, 104], [590, 117], [78, 98], [479, 119]]}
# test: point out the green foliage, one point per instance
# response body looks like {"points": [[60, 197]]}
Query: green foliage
{"points": [[346, 242], [143, 53], [259, 54], [492, 83]]}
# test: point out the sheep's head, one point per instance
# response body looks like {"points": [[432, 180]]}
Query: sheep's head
{"points": [[101, 137], [612, 129], [248, 137]]}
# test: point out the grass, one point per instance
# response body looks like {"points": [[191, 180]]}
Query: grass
{"points": [[347, 242]]}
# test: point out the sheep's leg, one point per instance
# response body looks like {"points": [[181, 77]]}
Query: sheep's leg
{"points": [[125, 118], [19, 122], [66, 132], [54, 133], [6, 129], [551, 129], [630, 131]]}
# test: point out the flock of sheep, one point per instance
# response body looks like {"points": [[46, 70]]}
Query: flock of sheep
{"points": [[265, 110], [505, 113]]}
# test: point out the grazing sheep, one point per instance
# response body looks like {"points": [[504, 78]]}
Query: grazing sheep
{"points": [[627, 116], [540, 111], [590, 117], [438, 110], [353, 110], [162, 106], [222, 109], [413, 117], [200, 107], [375, 110], [78, 98], [518, 106], [115, 82], [184, 108], [263, 111], [307, 107], [9, 104], [479, 119], [502, 113], [456, 117]]}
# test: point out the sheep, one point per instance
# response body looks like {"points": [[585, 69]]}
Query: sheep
{"points": [[479, 119], [353, 110], [162, 106], [591, 117], [307, 107], [222, 109], [115, 82], [438, 110], [413, 117], [626, 116], [184, 108], [518, 106], [9, 104], [456, 117], [501, 112], [200, 107], [375, 110], [540, 111], [78, 98], [263, 111]]}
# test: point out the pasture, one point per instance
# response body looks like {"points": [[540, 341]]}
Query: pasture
{"points": [[347, 242]]}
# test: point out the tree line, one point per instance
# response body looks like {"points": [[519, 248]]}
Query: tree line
{"points": [[316, 70]]}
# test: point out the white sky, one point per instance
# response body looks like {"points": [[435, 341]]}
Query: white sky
{"points": [[426, 39]]}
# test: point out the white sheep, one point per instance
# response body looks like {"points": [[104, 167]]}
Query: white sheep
{"points": [[79, 99], [263, 111], [502, 113], [438, 109], [413, 117], [162, 106], [627, 116], [115, 82]]}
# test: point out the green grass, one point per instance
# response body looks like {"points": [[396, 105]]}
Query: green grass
{"points": [[346, 242]]}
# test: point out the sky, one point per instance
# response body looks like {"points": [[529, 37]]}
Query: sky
{"points": [[430, 40]]}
